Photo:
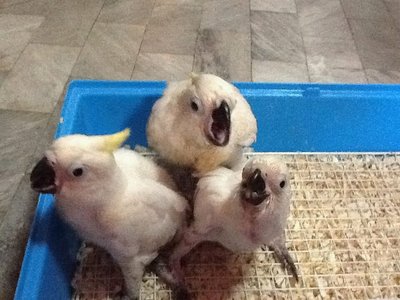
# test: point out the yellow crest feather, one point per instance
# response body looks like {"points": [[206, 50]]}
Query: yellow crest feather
{"points": [[113, 141]]}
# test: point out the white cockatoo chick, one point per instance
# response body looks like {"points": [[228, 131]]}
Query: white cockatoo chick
{"points": [[202, 123], [241, 210], [112, 197]]}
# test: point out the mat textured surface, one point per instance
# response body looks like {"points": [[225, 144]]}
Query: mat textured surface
{"points": [[343, 234]]}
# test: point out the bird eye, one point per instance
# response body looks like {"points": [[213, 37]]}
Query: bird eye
{"points": [[77, 172], [282, 184], [194, 106]]}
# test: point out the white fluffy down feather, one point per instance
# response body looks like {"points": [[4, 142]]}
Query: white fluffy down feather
{"points": [[202, 122], [241, 210], [118, 199]]}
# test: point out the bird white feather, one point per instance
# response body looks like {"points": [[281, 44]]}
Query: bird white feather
{"points": [[176, 132], [122, 201]]}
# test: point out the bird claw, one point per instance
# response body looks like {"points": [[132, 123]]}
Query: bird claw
{"points": [[181, 293], [283, 256]]}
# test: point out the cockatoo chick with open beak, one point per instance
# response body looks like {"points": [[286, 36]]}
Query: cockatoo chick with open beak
{"points": [[241, 210], [112, 197], [202, 123]]}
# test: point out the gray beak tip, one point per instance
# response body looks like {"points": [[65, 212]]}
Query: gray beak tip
{"points": [[43, 177]]}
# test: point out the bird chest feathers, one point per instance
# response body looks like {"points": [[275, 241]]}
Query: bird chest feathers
{"points": [[211, 158], [90, 223]]}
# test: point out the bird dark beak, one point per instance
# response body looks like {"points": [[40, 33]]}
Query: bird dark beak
{"points": [[253, 189], [219, 128], [43, 177]]}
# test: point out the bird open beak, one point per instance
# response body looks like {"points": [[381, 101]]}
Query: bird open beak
{"points": [[219, 125], [253, 189], [43, 177]]}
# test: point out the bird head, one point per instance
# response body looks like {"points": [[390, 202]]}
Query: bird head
{"points": [[264, 180], [76, 162], [208, 102]]}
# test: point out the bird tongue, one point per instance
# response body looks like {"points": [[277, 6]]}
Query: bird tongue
{"points": [[219, 132], [220, 125], [255, 192]]}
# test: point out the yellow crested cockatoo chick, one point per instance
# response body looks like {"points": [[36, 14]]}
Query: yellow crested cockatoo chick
{"points": [[202, 122], [242, 210], [112, 197]]}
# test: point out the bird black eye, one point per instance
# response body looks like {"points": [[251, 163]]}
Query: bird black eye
{"points": [[194, 106], [282, 184], [77, 172]]}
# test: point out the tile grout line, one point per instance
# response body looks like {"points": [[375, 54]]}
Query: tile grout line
{"points": [[89, 31], [141, 43], [60, 98], [14, 4], [391, 17], [24, 111], [354, 40], [279, 60], [83, 45], [197, 37], [23, 50], [65, 84], [302, 40], [12, 198], [251, 44]]}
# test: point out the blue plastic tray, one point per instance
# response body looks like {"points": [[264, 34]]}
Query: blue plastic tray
{"points": [[291, 117]]}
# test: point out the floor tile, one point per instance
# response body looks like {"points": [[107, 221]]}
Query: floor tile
{"points": [[14, 231], [337, 53], [283, 6], [161, 66], [162, 39], [18, 141], [383, 76], [8, 3], [226, 15], [47, 136], [186, 16], [276, 36], [365, 9], [179, 2], [19, 135], [136, 12], [336, 75], [110, 51], [32, 7], [215, 54], [68, 22], [378, 43], [38, 78], [274, 71], [394, 10], [172, 29], [13, 23], [322, 18], [8, 187], [15, 33], [3, 75]]}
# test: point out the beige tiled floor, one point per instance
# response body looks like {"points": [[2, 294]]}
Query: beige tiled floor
{"points": [[45, 43]]}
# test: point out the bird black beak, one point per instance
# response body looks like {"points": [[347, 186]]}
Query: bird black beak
{"points": [[253, 189], [43, 177], [219, 129]]}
